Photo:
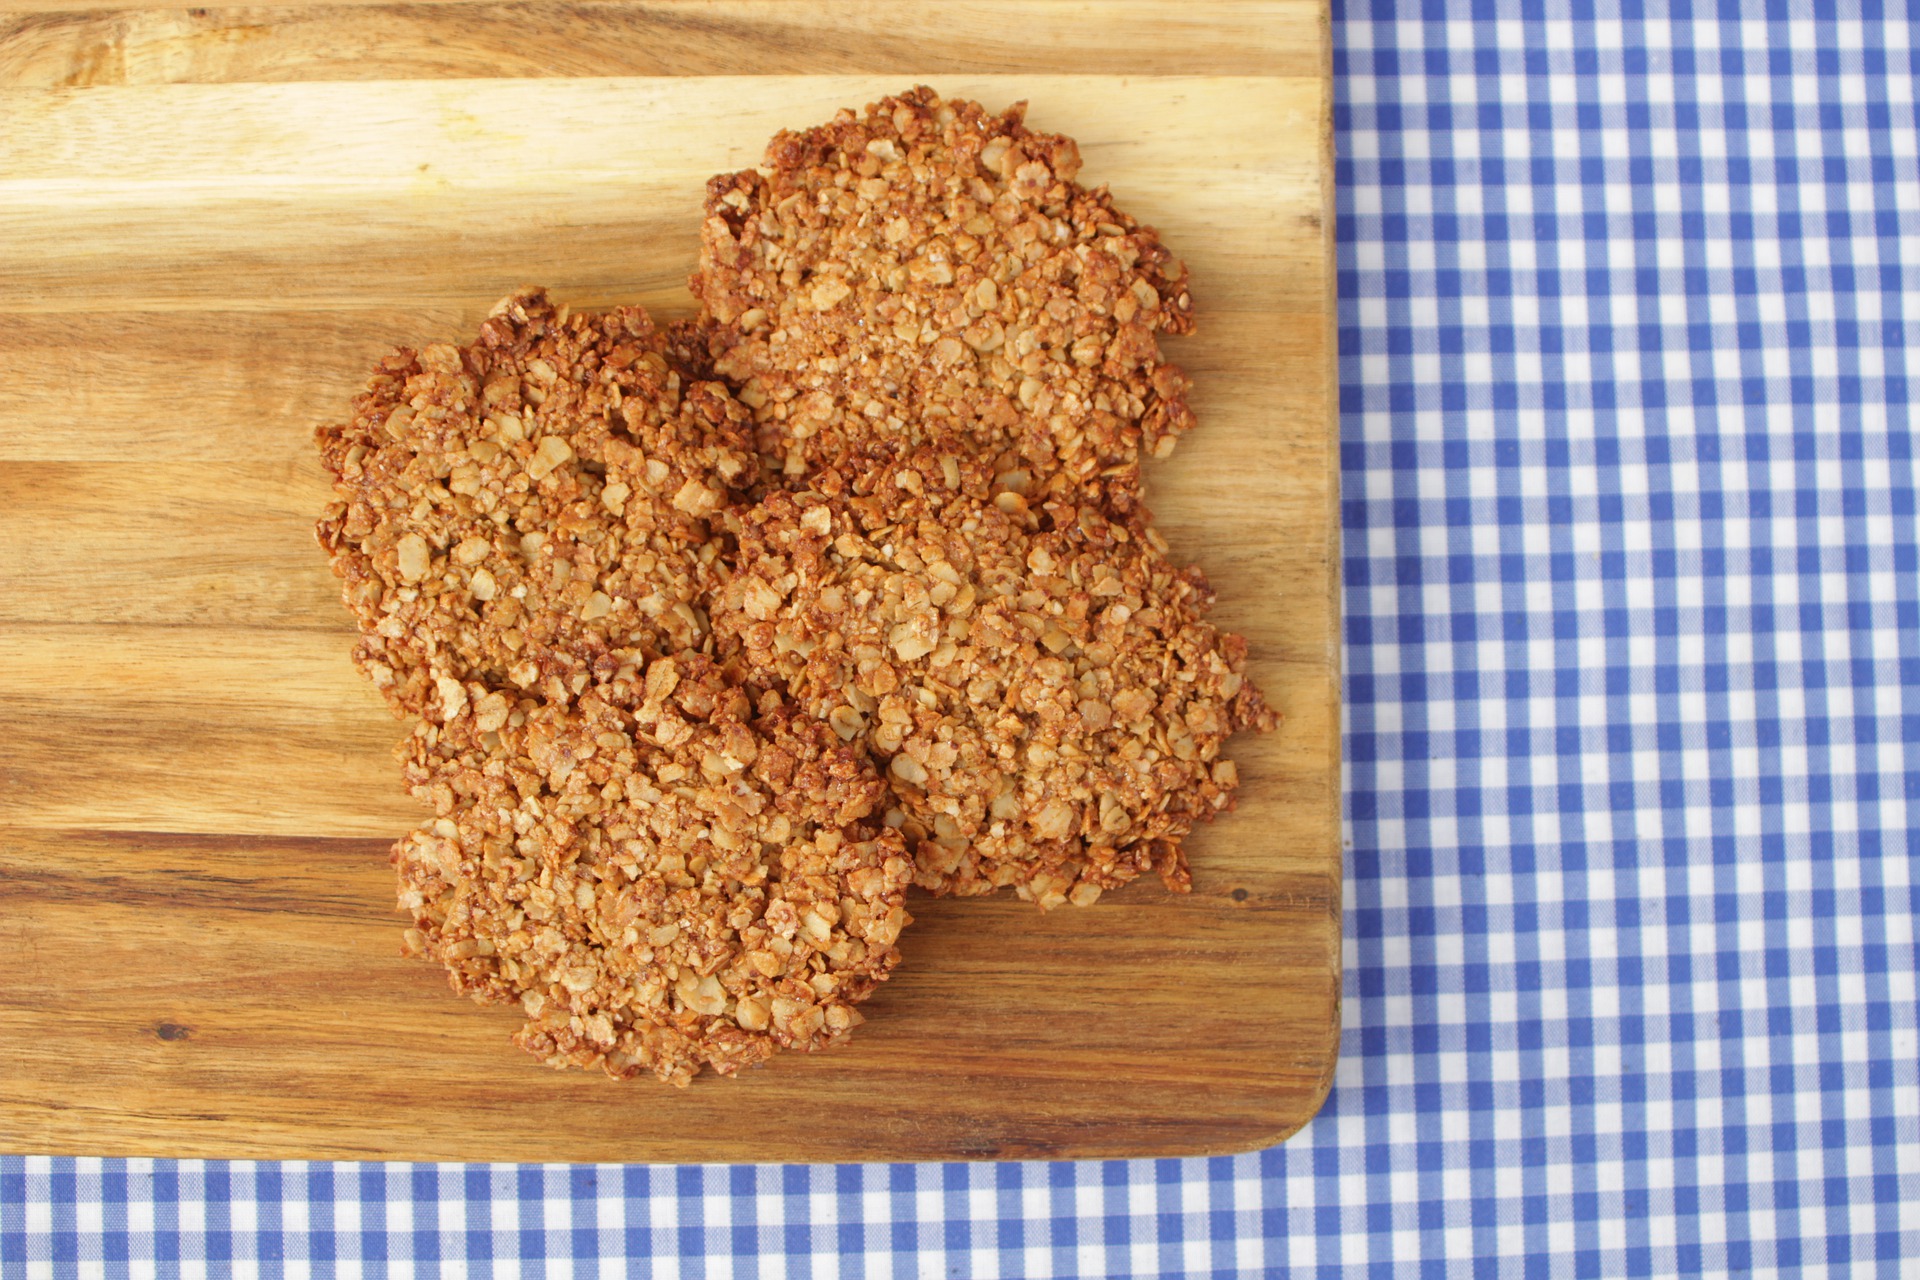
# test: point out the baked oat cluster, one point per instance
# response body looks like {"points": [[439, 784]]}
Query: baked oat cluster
{"points": [[524, 512], [717, 637], [1048, 699], [663, 874], [663, 867], [926, 272]]}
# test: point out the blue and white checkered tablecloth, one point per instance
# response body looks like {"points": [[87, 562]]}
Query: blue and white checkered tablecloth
{"points": [[1633, 641]]}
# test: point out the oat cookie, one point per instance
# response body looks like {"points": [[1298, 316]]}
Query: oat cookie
{"points": [[666, 874], [513, 514], [926, 271], [1040, 681]]}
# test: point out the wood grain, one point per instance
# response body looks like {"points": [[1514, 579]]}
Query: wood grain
{"points": [[283, 1022], [74, 42], [196, 794]]}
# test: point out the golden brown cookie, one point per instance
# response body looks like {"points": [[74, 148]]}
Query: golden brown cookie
{"points": [[924, 271], [531, 510], [665, 877], [1047, 698]]}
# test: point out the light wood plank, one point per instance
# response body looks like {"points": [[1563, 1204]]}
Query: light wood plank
{"points": [[73, 375], [232, 547], [520, 135], [508, 182], [239, 730]]}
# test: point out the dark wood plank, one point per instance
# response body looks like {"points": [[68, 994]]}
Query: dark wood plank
{"points": [[53, 43], [240, 996]]}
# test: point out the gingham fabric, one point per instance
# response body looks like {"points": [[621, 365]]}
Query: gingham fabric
{"points": [[1633, 650]]}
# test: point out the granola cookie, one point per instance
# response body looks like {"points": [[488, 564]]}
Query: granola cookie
{"points": [[926, 271], [664, 875], [1039, 680], [519, 513]]}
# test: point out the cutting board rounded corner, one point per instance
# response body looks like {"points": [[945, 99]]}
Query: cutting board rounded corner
{"points": [[223, 866]]}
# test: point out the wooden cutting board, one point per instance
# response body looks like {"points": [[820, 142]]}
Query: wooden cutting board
{"points": [[213, 221]]}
